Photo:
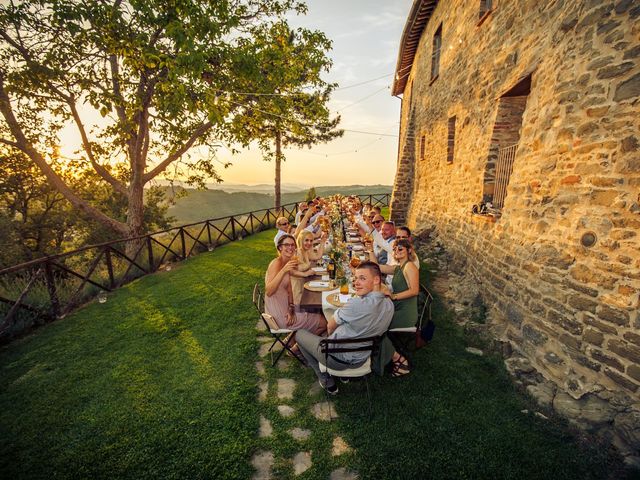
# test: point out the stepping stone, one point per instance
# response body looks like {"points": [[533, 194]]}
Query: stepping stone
{"points": [[300, 434], [260, 368], [343, 474], [262, 462], [315, 389], [340, 447], [324, 411], [284, 363], [264, 349], [286, 386], [474, 351], [264, 391], [265, 428], [260, 326], [286, 411], [264, 339], [301, 462]]}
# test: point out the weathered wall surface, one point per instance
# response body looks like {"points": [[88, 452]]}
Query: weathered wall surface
{"points": [[573, 311]]}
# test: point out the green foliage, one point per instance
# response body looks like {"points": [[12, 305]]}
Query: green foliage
{"points": [[38, 221], [159, 382], [151, 69], [290, 107]]}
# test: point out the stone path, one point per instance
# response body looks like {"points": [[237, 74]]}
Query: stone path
{"points": [[282, 393]]}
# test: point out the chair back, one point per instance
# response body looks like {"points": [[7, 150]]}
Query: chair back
{"points": [[344, 345], [258, 300], [425, 300]]}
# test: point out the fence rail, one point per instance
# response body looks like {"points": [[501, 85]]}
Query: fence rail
{"points": [[48, 288]]}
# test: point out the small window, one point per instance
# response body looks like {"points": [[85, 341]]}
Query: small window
{"points": [[435, 55], [486, 6], [451, 139], [423, 142]]}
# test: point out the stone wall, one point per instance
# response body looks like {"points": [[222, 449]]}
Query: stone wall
{"points": [[571, 310]]}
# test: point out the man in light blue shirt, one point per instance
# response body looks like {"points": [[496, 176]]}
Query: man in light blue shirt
{"points": [[367, 315]]}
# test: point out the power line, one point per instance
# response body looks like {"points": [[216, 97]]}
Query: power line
{"points": [[363, 99]]}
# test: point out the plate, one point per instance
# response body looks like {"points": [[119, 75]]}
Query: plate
{"points": [[334, 299], [318, 286], [358, 247], [319, 270]]}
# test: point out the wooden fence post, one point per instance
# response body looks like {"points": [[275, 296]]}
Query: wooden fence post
{"points": [[107, 254], [184, 245], [51, 288]]}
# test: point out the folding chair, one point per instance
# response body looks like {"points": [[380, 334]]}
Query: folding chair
{"points": [[272, 326], [404, 337], [330, 346]]}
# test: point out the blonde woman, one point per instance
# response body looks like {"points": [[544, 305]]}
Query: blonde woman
{"points": [[307, 258]]}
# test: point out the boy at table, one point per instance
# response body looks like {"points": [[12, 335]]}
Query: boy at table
{"points": [[367, 315]]}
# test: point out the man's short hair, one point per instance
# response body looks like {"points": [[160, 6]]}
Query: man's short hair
{"points": [[374, 268], [406, 229]]}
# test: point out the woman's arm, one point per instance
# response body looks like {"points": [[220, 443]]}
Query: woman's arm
{"points": [[412, 277], [275, 276], [387, 269]]}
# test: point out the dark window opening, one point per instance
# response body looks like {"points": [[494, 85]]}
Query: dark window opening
{"points": [[435, 53], [423, 142], [504, 143], [451, 139]]}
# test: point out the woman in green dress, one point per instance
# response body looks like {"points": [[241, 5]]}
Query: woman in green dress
{"points": [[406, 287]]}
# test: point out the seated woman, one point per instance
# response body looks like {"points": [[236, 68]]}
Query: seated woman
{"points": [[406, 287], [307, 258], [279, 300]]}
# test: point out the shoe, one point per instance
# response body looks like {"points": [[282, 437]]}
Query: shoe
{"points": [[400, 367], [332, 390]]}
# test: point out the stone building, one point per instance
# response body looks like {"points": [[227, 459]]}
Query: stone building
{"points": [[534, 109]]}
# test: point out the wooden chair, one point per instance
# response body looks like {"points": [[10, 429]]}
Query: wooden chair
{"points": [[280, 336]]}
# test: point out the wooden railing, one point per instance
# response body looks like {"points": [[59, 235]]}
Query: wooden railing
{"points": [[48, 288]]}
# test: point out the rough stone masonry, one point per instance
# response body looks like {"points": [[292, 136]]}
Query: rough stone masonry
{"points": [[558, 267]]}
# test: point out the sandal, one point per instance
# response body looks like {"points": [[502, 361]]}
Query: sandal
{"points": [[400, 367]]}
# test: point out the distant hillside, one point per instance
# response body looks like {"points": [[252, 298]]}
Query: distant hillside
{"points": [[203, 204]]}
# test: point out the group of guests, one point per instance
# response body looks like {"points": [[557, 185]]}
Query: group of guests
{"points": [[379, 306]]}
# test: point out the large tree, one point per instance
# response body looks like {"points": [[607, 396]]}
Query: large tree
{"points": [[150, 68], [289, 107]]}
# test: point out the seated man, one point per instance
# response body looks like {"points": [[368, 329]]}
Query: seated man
{"points": [[367, 315]]}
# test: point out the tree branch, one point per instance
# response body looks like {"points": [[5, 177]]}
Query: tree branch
{"points": [[103, 172], [201, 130], [25, 146]]}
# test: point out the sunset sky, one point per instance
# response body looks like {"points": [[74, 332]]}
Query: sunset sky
{"points": [[366, 35]]}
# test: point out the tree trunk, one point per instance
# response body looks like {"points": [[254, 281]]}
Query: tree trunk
{"points": [[135, 215], [278, 163]]}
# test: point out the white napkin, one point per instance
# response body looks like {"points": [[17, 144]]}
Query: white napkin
{"points": [[343, 298], [318, 284], [319, 269], [358, 247]]}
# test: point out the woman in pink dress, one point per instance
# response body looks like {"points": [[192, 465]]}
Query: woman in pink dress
{"points": [[279, 300]]}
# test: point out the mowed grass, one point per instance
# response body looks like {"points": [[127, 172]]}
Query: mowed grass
{"points": [[160, 382]]}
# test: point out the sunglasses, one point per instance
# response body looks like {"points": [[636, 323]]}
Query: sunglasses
{"points": [[398, 249], [375, 222], [283, 224], [400, 237]]}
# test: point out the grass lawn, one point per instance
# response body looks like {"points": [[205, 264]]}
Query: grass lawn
{"points": [[160, 382]]}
